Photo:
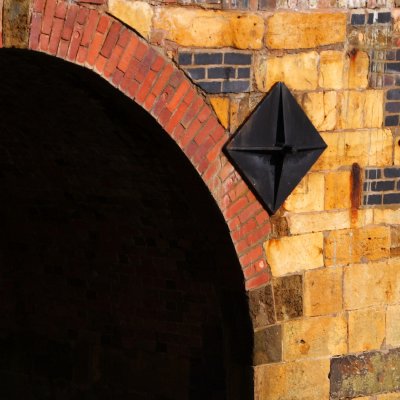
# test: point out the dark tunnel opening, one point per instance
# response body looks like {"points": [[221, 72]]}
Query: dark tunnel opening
{"points": [[118, 279]]}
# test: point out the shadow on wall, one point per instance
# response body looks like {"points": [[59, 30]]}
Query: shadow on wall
{"points": [[118, 279]]}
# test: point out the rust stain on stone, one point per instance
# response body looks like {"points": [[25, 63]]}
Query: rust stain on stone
{"points": [[355, 192]]}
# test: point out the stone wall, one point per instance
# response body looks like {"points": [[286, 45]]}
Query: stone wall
{"points": [[323, 275], [333, 249]]}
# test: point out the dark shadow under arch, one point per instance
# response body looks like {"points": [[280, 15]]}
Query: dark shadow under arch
{"points": [[118, 279]]}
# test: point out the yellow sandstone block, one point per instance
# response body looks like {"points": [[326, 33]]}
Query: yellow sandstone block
{"points": [[365, 147], [294, 30], [388, 396], [323, 291], [297, 71], [308, 195], [386, 216], [221, 108], [294, 253], [366, 329], [356, 70], [393, 326], [320, 108], [303, 380], [331, 69], [209, 28], [314, 337], [373, 284], [360, 109], [318, 222], [357, 245], [338, 190], [137, 14]]}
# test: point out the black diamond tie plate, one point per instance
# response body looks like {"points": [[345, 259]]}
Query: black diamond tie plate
{"points": [[275, 147]]}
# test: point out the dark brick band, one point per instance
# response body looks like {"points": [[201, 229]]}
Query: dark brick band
{"points": [[381, 186], [218, 72]]}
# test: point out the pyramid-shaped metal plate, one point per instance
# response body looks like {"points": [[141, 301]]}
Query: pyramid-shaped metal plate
{"points": [[275, 147]]}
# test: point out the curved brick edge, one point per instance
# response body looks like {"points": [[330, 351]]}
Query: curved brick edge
{"points": [[91, 38]]}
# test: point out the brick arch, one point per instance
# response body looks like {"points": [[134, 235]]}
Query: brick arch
{"points": [[93, 39]]}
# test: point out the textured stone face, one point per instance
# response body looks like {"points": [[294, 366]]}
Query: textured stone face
{"points": [[323, 291], [201, 28], [261, 305], [297, 71], [268, 345], [314, 337], [302, 380], [366, 330], [137, 14], [304, 31], [357, 245], [365, 374], [288, 296], [294, 253]]}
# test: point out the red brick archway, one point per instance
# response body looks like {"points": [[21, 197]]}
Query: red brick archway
{"points": [[93, 39]]}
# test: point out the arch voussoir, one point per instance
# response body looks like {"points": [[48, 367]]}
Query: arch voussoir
{"points": [[95, 40]]}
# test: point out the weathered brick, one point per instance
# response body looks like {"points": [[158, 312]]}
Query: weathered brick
{"points": [[365, 374], [268, 345], [261, 306], [288, 296], [289, 254]]}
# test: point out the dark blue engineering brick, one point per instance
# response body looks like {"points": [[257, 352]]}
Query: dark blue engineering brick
{"points": [[384, 17], [398, 55], [393, 107], [392, 67], [393, 94], [381, 186], [207, 58], [237, 58], [358, 19], [373, 173], [243, 73], [391, 198], [390, 55], [372, 199], [185, 58], [371, 18], [221, 73], [210, 87], [392, 120], [235, 86], [391, 172], [196, 73], [398, 185]]}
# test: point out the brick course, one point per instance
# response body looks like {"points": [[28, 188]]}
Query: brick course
{"points": [[218, 72]]}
